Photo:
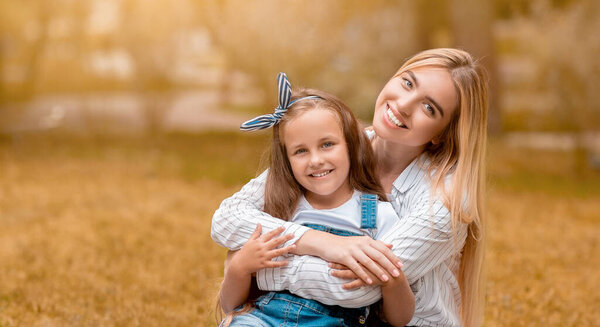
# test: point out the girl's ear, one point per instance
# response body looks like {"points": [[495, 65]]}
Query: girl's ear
{"points": [[436, 140]]}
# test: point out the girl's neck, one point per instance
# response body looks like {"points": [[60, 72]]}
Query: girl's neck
{"points": [[330, 201]]}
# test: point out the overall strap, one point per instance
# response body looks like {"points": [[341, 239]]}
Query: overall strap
{"points": [[368, 211]]}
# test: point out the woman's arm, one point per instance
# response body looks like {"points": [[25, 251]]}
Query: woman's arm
{"points": [[234, 221], [256, 254]]}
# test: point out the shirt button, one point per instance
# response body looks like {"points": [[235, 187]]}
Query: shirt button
{"points": [[362, 320]]}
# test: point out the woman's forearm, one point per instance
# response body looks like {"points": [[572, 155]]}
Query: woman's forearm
{"points": [[235, 220]]}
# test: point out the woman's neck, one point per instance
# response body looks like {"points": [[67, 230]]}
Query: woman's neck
{"points": [[392, 159]]}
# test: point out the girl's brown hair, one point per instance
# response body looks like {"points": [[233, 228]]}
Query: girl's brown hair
{"points": [[282, 191]]}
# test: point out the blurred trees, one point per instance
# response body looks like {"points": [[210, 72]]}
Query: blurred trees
{"points": [[317, 43], [349, 48]]}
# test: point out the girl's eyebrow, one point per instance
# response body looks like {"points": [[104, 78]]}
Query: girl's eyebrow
{"points": [[416, 81]]}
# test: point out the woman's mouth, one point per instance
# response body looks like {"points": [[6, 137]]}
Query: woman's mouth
{"points": [[393, 119]]}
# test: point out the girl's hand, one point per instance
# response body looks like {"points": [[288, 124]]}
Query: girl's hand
{"points": [[361, 254], [259, 251]]}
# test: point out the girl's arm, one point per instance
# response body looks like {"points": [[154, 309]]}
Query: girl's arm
{"points": [[398, 301], [233, 223], [256, 254]]}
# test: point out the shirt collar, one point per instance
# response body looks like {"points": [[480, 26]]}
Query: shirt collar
{"points": [[411, 175]]}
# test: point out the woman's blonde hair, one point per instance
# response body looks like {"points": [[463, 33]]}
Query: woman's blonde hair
{"points": [[461, 154]]}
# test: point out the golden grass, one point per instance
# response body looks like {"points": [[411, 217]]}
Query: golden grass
{"points": [[115, 232]]}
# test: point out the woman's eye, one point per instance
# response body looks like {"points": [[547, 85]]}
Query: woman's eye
{"points": [[327, 144], [300, 151], [407, 83], [429, 108]]}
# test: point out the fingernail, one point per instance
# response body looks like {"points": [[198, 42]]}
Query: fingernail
{"points": [[395, 273], [384, 278], [369, 281], [399, 264]]}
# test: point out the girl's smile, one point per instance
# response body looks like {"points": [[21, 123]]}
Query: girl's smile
{"points": [[318, 155]]}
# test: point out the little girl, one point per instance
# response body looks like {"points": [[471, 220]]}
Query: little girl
{"points": [[321, 175]]}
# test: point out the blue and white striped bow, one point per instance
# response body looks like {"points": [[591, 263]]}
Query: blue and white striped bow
{"points": [[284, 93]]}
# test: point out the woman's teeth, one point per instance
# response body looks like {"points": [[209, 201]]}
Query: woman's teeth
{"points": [[321, 174], [393, 118]]}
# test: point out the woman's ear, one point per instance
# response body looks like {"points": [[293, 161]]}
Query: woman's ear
{"points": [[436, 140]]}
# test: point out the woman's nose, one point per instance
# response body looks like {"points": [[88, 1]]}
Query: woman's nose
{"points": [[406, 105]]}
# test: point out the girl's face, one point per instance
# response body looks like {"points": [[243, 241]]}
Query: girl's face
{"points": [[414, 107], [318, 154]]}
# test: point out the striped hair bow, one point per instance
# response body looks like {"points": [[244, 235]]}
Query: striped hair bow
{"points": [[284, 93]]}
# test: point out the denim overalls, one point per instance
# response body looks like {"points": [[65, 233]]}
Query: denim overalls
{"points": [[285, 309]]}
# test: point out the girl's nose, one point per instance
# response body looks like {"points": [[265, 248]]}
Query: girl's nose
{"points": [[316, 159]]}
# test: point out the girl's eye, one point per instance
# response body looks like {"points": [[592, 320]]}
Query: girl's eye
{"points": [[407, 83], [429, 109], [300, 151], [327, 144]]}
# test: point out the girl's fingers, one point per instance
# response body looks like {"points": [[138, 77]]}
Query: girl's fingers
{"points": [[271, 244], [272, 233], [334, 265], [343, 274], [353, 284], [276, 264], [358, 270], [257, 232], [277, 252]]}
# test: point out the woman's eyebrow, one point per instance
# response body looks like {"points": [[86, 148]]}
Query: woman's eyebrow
{"points": [[416, 81]]}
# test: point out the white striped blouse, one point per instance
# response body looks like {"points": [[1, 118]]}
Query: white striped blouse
{"points": [[422, 238]]}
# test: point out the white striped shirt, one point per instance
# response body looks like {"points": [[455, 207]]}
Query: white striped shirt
{"points": [[422, 239]]}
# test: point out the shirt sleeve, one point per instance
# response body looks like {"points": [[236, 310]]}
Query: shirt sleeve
{"points": [[424, 238], [309, 277], [237, 216]]}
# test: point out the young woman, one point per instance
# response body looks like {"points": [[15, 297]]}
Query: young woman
{"points": [[324, 179], [429, 138]]}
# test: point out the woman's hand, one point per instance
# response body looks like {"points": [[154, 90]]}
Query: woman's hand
{"points": [[359, 253], [259, 251]]}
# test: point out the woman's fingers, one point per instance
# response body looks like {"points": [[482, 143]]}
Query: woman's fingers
{"points": [[372, 266], [386, 250], [344, 274], [358, 270], [380, 261]]}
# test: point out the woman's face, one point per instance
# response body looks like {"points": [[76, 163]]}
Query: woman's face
{"points": [[415, 106]]}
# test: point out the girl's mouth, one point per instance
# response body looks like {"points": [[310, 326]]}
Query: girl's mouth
{"points": [[321, 174]]}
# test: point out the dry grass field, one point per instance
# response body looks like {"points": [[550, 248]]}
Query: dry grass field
{"points": [[101, 231]]}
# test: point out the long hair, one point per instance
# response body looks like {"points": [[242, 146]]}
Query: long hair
{"points": [[282, 191], [461, 154]]}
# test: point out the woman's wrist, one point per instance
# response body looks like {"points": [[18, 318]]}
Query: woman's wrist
{"points": [[312, 242]]}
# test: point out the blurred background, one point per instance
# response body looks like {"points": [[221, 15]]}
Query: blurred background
{"points": [[118, 140]]}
